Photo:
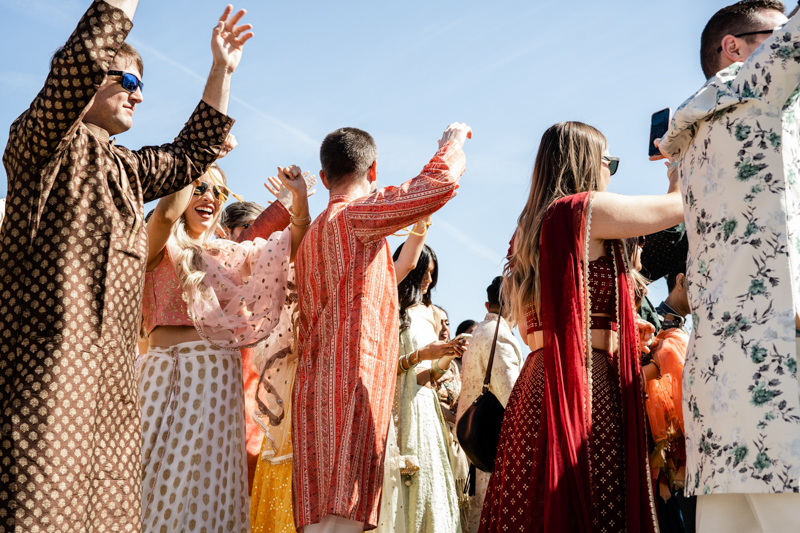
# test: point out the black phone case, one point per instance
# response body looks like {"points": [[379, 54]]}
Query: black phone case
{"points": [[658, 128]]}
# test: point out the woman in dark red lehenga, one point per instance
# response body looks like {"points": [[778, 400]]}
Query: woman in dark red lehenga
{"points": [[573, 450]]}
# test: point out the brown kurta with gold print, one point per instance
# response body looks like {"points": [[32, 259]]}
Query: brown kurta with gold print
{"points": [[72, 260]]}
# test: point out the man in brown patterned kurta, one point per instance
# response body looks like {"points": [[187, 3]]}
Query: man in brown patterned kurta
{"points": [[72, 260]]}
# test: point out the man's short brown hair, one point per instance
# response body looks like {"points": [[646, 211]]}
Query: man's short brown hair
{"points": [[125, 51], [741, 17], [346, 154]]}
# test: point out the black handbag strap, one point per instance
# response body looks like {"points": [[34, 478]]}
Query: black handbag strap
{"points": [[488, 375]]}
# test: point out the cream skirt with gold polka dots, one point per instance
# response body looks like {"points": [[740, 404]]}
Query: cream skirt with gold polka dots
{"points": [[198, 481]]}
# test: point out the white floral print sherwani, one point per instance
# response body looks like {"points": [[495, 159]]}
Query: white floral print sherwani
{"points": [[738, 143]]}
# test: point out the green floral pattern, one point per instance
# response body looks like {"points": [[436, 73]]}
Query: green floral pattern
{"points": [[738, 142]]}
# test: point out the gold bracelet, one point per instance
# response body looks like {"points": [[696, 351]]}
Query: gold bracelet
{"points": [[295, 224], [406, 232], [436, 368], [400, 363], [660, 374]]}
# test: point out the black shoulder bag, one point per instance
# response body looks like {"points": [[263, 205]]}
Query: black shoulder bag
{"points": [[478, 429]]}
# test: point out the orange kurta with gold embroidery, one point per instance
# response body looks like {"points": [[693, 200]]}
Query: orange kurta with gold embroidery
{"points": [[347, 337]]}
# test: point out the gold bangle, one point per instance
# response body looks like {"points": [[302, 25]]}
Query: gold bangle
{"points": [[660, 374], [295, 224], [436, 368]]}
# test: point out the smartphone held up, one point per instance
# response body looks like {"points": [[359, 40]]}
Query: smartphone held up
{"points": [[659, 124]]}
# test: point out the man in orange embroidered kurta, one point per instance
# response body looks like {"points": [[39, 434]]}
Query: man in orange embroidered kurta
{"points": [[348, 326]]}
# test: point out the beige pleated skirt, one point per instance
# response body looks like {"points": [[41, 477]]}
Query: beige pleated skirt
{"points": [[194, 466]]}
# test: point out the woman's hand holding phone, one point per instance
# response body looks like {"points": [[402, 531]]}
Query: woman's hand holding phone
{"points": [[460, 344]]}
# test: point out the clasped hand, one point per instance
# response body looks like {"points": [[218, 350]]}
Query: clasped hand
{"points": [[458, 132], [290, 181]]}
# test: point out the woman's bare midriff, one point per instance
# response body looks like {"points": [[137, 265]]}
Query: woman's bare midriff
{"points": [[166, 336], [602, 339]]}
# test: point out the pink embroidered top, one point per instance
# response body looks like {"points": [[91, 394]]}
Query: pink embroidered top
{"points": [[163, 303]]}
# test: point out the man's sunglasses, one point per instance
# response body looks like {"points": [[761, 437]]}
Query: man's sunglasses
{"points": [[746, 34], [219, 192], [129, 81], [613, 163]]}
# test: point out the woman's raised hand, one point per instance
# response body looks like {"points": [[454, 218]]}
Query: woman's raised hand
{"points": [[283, 193]]}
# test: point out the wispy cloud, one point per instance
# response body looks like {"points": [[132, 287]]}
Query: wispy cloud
{"points": [[470, 242], [300, 135]]}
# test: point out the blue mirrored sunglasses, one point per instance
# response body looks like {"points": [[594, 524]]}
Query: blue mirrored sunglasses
{"points": [[129, 81]]}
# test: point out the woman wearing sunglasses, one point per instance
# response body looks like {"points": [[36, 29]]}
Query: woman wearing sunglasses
{"points": [[572, 454], [205, 299]]}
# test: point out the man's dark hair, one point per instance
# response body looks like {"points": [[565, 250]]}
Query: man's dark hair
{"points": [[124, 51], [493, 291], [672, 277], [239, 214], [346, 154], [741, 17]]}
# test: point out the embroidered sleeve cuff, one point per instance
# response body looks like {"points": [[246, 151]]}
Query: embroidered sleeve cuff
{"points": [[206, 130]]}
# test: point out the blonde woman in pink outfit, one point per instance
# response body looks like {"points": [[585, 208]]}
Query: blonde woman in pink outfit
{"points": [[205, 299]]}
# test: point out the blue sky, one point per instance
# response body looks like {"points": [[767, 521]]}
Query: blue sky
{"points": [[403, 71]]}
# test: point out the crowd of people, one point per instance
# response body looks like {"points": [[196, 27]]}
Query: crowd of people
{"points": [[211, 368]]}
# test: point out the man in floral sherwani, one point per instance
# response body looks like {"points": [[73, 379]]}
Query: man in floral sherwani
{"points": [[737, 141]]}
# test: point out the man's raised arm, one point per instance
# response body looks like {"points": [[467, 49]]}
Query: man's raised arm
{"points": [[76, 72], [169, 168], [392, 208], [227, 41]]}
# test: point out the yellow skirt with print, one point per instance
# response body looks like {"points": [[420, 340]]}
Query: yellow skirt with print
{"points": [[271, 497]]}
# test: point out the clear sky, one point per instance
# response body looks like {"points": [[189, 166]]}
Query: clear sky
{"points": [[403, 71]]}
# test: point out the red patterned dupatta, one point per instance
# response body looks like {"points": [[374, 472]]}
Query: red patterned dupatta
{"points": [[566, 420]]}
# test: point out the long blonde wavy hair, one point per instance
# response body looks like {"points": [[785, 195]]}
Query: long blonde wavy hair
{"points": [[189, 262], [569, 162]]}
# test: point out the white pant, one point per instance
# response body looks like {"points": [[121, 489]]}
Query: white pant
{"points": [[334, 524], [748, 513]]}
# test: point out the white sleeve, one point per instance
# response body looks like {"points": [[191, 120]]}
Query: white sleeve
{"points": [[506, 367], [772, 72]]}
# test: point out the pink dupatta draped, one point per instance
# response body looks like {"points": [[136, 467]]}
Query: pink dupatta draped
{"points": [[275, 360], [239, 301], [566, 423]]}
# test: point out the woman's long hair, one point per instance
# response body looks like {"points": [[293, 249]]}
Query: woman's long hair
{"points": [[569, 162], [640, 282], [409, 292], [189, 261]]}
